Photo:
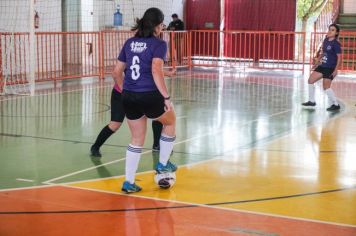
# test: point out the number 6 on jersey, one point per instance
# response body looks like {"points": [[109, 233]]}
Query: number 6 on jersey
{"points": [[135, 68]]}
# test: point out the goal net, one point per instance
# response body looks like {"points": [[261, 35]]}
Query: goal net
{"points": [[14, 47], [51, 40]]}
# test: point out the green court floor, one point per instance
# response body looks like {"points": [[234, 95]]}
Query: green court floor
{"points": [[46, 138]]}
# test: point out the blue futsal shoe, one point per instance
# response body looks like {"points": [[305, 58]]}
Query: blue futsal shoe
{"points": [[130, 188], [170, 167]]}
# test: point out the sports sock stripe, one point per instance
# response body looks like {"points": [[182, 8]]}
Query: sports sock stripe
{"points": [[134, 149], [168, 139]]}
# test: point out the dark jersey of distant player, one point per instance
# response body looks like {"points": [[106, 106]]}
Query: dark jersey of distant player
{"points": [[176, 25], [330, 51], [138, 54]]}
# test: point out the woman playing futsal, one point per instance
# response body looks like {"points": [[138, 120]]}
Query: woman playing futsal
{"points": [[145, 94], [330, 61]]}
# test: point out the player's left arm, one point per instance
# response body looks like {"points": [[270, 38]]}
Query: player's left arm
{"points": [[339, 58], [338, 64], [118, 73]]}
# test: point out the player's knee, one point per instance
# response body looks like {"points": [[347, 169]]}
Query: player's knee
{"points": [[114, 126], [138, 141], [171, 121], [310, 81], [169, 118], [169, 130]]}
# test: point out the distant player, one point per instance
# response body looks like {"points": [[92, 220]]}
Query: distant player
{"points": [[326, 66], [145, 94]]}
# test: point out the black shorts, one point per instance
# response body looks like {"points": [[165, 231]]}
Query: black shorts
{"points": [[327, 72], [117, 109], [138, 104]]}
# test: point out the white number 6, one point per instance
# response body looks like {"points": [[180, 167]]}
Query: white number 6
{"points": [[135, 68]]}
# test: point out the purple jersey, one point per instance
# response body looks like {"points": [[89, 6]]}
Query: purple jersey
{"points": [[138, 54], [330, 51]]}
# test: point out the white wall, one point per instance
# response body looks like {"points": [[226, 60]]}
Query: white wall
{"points": [[87, 15], [50, 15], [72, 15], [349, 6], [81, 15], [103, 14], [14, 15]]}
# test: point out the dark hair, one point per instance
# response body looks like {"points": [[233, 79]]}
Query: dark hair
{"points": [[174, 15], [146, 25], [337, 29]]}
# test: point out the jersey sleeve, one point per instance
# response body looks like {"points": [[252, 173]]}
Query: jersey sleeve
{"points": [[160, 51], [122, 54]]}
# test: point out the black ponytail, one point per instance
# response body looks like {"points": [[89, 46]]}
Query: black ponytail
{"points": [[145, 26]]}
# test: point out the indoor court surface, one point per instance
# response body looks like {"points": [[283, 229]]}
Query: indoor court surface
{"points": [[251, 160]]}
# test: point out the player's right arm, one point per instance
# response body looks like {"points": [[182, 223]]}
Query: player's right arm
{"points": [[118, 73]]}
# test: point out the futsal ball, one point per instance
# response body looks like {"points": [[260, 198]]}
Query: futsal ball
{"points": [[165, 180]]}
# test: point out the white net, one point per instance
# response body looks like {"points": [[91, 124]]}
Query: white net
{"points": [[50, 40], [14, 43]]}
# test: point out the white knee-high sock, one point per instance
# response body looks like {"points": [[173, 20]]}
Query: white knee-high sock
{"points": [[331, 96], [311, 90], [166, 146], [133, 154]]}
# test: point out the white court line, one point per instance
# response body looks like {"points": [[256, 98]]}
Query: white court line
{"points": [[214, 207], [258, 213], [48, 182], [179, 202], [211, 159], [188, 203], [108, 163], [176, 143], [84, 170], [25, 180], [199, 162], [183, 141]]}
